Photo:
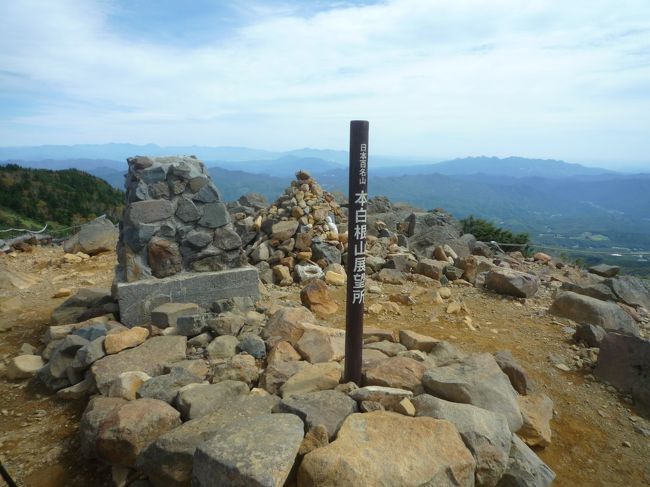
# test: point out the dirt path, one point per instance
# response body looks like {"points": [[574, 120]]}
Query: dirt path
{"points": [[38, 432]]}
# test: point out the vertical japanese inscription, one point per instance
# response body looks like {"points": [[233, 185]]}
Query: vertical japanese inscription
{"points": [[356, 259]]}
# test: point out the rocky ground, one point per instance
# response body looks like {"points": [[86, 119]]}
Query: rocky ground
{"points": [[598, 438]]}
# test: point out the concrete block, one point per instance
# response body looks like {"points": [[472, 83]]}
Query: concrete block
{"points": [[138, 299]]}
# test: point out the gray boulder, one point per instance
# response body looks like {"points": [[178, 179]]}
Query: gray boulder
{"points": [[479, 381], [202, 399], [512, 283], [624, 362], [259, 451], [252, 345], [630, 290], [73, 308], [604, 270], [590, 285], [590, 335], [485, 434], [525, 469], [150, 358], [584, 309], [99, 235], [327, 408], [168, 460], [165, 387], [515, 372]]}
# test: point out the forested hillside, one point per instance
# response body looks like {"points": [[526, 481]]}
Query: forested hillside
{"points": [[61, 198]]}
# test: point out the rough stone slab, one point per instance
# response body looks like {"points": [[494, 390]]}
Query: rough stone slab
{"points": [[258, 451], [585, 309], [150, 358], [485, 434], [624, 362], [168, 460], [138, 299], [387, 449], [326, 408]]}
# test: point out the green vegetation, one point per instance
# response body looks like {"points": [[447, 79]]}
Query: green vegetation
{"points": [[29, 198], [486, 231]]}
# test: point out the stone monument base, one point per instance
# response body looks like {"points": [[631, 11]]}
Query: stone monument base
{"points": [[138, 299]]}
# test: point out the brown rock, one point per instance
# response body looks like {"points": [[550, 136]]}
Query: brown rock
{"points": [[116, 342], [282, 275], [542, 257], [431, 268], [431, 452], [131, 427], [164, 257], [515, 372], [335, 278], [537, 411], [405, 407], [322, 344], [397, 372], [316, 296], [286, 324], [276, 374], [64, 292], [315, 438], [416, 341], [282, 352], [317, 377]]}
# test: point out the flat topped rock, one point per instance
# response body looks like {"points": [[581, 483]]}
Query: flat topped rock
{"points": [[327, 408], [479, 381], [166, 314], [584, 309], [605, 270], [258, 451], [150, 358], [484, 432], [385, 449], [168, 460]]}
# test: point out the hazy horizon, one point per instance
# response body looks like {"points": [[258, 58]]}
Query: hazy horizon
{"points": [[437, 80]]}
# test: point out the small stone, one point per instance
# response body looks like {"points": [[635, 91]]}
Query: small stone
{"points": [[405, 407], [222, 347], [24, 366], [127, 384], [252, 345], [241, 367], [167, 314], [416, 341], [335, 279], [116, 342], [315, 438], [63, 292], [370, 406], [316, 296]]}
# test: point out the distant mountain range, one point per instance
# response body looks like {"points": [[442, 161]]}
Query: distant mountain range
{"points": [[556, 202]]}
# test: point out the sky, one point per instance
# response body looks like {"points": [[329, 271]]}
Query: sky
{"points": [[437, 79]]}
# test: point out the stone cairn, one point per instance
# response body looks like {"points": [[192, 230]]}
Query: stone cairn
{"points": [[175, 221], [298, 236], [177, 242]]}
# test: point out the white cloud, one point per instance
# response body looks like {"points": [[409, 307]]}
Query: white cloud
{"points": [[439, 78]]}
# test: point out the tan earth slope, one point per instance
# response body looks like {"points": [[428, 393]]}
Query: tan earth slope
{"points": [[597, 437]]}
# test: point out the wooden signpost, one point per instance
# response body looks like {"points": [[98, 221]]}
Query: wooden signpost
{"points": [[356, 263]]}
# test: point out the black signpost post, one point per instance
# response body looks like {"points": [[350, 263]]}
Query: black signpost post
{"points": [[356, 263]]}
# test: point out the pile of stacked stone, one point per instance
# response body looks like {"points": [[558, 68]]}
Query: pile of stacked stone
{"points": [[297, 237], [177, 241], [175, 221], [185, 401]]}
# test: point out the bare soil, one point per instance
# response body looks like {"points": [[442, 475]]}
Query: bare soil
{"points": [[594, 442]]}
